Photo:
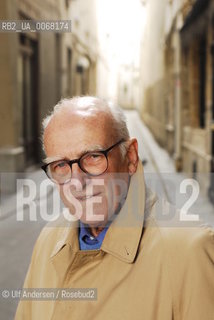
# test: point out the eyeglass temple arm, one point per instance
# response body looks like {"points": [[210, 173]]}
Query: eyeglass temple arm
{"points": [[114, 145]]}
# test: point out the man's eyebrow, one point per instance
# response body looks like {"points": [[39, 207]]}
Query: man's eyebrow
{"points": [[94, 148], [51, 159], [91, 149]]}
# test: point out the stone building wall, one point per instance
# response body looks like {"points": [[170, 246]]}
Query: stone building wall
{"points": [[37, 70]]}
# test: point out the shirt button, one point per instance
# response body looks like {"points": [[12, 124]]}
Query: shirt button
{"points": [[91, 238]]}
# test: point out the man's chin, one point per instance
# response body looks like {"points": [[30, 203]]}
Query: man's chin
{"points": [[94, 221], [94, 224], [100, 216]]}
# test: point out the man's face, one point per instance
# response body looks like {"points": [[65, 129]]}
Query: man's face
{"points": [[69, 135]]}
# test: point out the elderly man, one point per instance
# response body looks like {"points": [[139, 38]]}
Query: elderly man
{"points": [[114, 244]]}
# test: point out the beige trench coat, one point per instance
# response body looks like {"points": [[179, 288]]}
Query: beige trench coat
{"points": [[144, 269]]}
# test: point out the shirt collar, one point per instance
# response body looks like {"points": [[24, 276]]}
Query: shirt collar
{"points": [[84, 232], [124, 233]]}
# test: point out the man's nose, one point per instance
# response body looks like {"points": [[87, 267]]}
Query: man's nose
{"points": [[78, 174]]}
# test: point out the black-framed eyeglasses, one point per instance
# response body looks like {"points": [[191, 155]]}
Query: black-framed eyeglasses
{"points": [[94, 163]]}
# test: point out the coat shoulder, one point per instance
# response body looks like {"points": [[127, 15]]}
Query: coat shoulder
{"points": [[189, 261], [177, 234]]}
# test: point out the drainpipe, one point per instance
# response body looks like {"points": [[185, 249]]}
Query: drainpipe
{"points": [[211, 188], [177, 117]]}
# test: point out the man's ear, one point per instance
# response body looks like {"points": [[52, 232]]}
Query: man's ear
{"points": [[132, 156]]}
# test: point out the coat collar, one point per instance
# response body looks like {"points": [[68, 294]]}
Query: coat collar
{"points": [[123, 236]]}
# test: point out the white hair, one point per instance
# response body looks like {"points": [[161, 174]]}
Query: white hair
{"points": [[118, 117]]}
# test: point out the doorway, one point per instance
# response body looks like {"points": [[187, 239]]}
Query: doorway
{"points": [[28, 97]]}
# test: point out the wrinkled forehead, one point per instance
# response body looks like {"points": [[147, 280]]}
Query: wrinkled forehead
{"points": [[83, 125], [81, 115]]}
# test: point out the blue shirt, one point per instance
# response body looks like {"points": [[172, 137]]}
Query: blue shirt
{"points": [[89, 242]]}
